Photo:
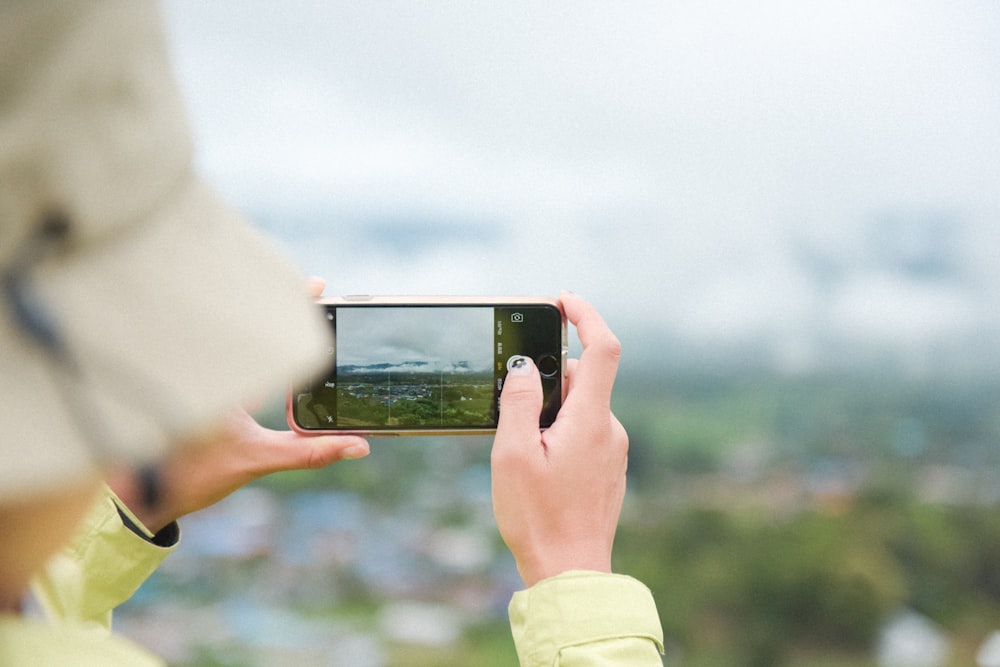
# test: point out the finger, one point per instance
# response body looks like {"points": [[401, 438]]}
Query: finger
{"points": [[520, 409], [254, 404], [287, 450], [571, 365], [328, 449], [315, 286], [595, 373]]}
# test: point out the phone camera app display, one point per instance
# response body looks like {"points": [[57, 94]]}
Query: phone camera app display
{"points": [[428, 368]]}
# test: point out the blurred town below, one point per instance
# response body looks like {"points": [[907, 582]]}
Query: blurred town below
{"points": [[846, 517]]}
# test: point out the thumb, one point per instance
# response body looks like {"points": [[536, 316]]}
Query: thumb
{"points": [[287, 450], [520, 403]]}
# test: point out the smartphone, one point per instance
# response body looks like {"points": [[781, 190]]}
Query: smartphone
{"points": [[428, 365]]}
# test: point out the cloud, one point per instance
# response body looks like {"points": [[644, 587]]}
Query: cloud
{"points": [[668, 159]]}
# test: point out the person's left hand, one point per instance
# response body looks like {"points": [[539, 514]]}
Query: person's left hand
{"points": [[203, 472]]}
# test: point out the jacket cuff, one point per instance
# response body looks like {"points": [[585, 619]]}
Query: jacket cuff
{"points": [[168, 536], [579, 607]]}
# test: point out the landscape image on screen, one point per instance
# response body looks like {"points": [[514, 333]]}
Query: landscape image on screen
{"points": [[414, 367]]}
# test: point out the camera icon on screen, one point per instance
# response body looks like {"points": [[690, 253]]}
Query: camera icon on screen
{"points": [[517, 317]]}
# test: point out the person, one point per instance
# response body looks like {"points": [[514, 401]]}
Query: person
{"points": [[557, 498], [137, 310]]}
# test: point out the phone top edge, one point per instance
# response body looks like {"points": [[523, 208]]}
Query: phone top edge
{"points": [[442, 300]]}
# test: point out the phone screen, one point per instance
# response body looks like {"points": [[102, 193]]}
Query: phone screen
{"points": [[434, 368]]}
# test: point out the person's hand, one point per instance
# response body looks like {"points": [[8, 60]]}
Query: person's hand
{"points": [[558, 493], [203, 472]]}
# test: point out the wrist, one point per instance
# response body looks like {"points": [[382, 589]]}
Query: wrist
{"points": [[563, 560], [140, 494]]}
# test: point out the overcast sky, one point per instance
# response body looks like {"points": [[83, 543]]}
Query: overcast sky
{"points": [[442, 338], [672, 161]]}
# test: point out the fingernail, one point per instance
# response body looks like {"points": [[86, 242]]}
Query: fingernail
{"points": [[519, 365], [355, 452]]}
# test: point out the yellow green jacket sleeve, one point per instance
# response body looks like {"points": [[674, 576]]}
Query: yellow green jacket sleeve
{"points": [[586, 619], [102, 567], [42, 644]]}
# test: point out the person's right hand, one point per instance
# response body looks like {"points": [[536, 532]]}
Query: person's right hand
{"points": [[558, 493]]}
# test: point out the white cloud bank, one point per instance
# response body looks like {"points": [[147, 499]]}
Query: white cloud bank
{"points": [[668, 160]]}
